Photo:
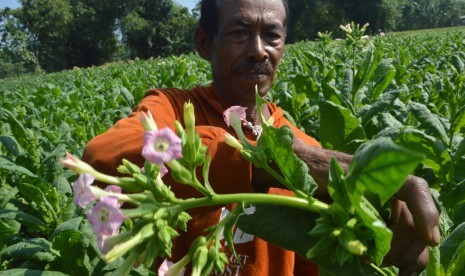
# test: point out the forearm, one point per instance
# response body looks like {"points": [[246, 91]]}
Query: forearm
{"points": [[318, 162]]}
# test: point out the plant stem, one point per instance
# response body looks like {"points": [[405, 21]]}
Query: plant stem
{"points": [[249, 198]]}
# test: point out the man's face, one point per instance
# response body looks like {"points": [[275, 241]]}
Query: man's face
{"points": [[247, 48]]}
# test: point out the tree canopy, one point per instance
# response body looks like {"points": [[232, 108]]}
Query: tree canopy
{"points": [[52, 35]]}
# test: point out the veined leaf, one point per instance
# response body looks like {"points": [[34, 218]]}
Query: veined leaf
{"points": [[14, 168], [429, 120], [458, 122], [11, 144], [384, 74], [380, 167], [379, 107], [452, 245], [296, 238], [338, 128], [33, 250], [31, 272]]}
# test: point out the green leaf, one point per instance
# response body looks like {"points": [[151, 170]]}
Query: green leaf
{"points": [[32, 250], [280, 142], [380, 106], [451, 244], [336, 185], [380, 167], [271, 223], [23, 218], [384, 74], [458, 122], [367, 68], [457, 264], [338, 128], [434, 266], [436, 156], [429, 121], [31, 272], [14, 168], [11, 144]]}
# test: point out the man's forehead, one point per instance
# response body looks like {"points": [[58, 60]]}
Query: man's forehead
{"points": [[236, 10]]}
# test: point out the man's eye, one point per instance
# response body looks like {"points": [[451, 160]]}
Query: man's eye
{"points": [[239, 33]]}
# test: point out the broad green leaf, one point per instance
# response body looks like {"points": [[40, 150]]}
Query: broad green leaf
{"points": [[11, 144], [23, 218], [379, 168], [453, 200], [458, 122], [336, 185], [38, 249], [14, 168], [457, 264], [436, 156], [367, 68], [338, 128], [384, 74], [451, 245], [31, 272], [278, 142], [380, 106], [429, 121], [277, 231], [434, 267], [47, 206]]}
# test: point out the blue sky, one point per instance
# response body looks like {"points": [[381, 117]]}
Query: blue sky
{"points": [[9, 3], [190, 4]]}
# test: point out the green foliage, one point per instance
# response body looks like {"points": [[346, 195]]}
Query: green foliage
{"points": [[406, 87]]}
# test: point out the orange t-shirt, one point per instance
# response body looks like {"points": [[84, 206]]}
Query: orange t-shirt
{"points": [[229, 173]]}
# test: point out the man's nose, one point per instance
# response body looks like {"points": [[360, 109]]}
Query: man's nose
{"points": [[258, 48]]}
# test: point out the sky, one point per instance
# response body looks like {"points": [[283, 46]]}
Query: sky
{"points": [[9, 3], [190, 4]]}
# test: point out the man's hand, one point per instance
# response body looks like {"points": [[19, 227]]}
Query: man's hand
{"points": [[415, 225]]}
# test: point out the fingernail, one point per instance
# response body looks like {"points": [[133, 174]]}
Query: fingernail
{"points": [[436, 235]]}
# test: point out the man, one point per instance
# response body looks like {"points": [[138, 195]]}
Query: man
{"points": [[244, 42]]}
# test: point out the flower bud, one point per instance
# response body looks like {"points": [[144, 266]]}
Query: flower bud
{"points": [[356, 247], [199, 260], [189, 121], [147, 121], [232, 141]]}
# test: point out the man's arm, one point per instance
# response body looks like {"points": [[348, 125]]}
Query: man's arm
{"points": [[414, 220]]}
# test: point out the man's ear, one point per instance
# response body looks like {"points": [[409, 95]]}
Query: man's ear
{"points": [[203, 44]]}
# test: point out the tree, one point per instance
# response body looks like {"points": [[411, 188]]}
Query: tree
{"points": [[16, 46], [157, 28]]}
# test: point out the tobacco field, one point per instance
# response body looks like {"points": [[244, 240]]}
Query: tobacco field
{"points": [[408, 87]]}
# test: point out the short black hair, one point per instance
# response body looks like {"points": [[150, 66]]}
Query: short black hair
{"points": [[208, 21]]}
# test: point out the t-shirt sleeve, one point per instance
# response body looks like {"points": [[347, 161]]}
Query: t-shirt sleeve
{"points": [[125, 139]]}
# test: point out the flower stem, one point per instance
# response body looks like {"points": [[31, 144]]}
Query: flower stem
{"points": [[249, 198]]}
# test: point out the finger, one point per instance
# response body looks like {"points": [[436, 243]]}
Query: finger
{"points": [[412, 255], [416, 194], [416, 267], [403, 230]]}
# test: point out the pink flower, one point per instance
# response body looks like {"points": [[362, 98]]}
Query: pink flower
{"points": [[168, 268], [161, 146], [163, 170], [116, 190], [77, 165], [105, 216], [103, 242], [233, 113], [81, 188]]}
